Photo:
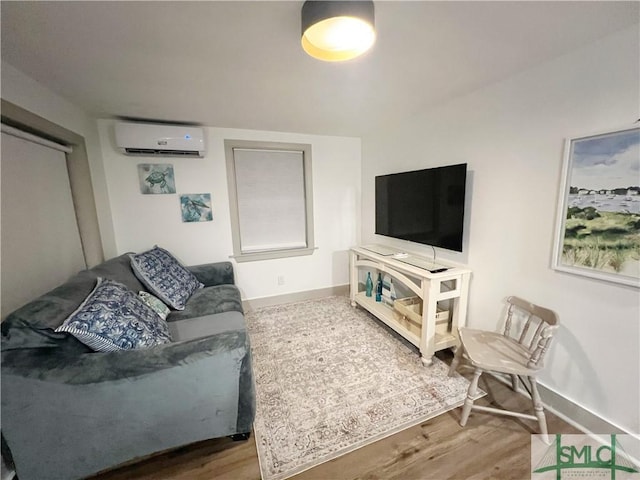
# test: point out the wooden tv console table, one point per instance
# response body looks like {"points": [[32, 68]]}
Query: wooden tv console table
{"points": [[449, 287]]}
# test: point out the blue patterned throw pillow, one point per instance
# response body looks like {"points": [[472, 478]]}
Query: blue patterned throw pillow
{"points": [[114, 318], [165, 276]]}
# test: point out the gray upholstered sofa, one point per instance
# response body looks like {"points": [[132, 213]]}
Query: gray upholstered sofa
{"points": [[69, 412]]}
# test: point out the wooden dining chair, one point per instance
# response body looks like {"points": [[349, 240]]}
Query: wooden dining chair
{"points": [[518, 352]]}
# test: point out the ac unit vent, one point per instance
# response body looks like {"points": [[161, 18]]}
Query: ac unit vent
{"points": [[167, 153]]}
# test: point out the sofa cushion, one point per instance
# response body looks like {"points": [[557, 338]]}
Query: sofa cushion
{"points": [[48, 311], [206, 326], [209, 301], [165, 276], [118, 269], [113, 318], [155, 303]]}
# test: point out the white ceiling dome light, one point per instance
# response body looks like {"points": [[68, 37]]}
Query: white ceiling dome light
{"points": [[336, 31]]}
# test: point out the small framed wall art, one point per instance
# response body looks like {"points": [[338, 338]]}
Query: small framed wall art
{"points": [[196, 207], [156, 178], [598, 220]]}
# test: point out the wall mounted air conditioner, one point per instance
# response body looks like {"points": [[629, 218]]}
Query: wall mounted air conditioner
{"points": [[155, 139]]}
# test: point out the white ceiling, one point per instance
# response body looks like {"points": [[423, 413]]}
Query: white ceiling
{"points": [[239, 64]]}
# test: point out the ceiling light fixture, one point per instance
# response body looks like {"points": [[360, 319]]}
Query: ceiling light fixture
{"points": [[335, 31]]}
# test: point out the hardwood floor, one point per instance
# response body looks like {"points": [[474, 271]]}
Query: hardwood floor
{"points": [[489, 447]]}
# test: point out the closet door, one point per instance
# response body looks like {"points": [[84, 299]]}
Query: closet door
{"points": [[40, 243]]}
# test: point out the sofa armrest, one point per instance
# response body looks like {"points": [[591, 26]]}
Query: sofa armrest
{"points": [[67, 367], [94, 411], [211, 274]]}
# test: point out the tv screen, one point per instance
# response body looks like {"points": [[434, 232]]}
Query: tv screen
{"points": [[423, 206]]}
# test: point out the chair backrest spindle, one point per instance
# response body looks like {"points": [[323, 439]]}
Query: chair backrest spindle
{"points": [[545, 340], [507, 324], [525, 329], [537, 335]]}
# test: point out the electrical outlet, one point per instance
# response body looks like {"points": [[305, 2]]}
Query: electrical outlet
{"points": [[280, 279]]}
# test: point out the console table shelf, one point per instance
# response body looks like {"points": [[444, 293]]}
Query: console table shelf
{"points": [[451, 286]]}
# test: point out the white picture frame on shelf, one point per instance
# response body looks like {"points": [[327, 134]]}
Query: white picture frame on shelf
{"points": [[598, 217]]}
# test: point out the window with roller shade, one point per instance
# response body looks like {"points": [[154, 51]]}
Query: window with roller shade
{"points": [[270, 192]]}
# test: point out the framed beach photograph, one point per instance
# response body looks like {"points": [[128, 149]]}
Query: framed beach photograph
{"points": [[598, 223]]}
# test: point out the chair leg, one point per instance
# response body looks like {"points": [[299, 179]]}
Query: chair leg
{"points": [[456, 360], [537, 406], [471, 393], [514, 382]]}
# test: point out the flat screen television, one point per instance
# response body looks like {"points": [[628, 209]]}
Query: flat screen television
{"points": [[423, 206]]}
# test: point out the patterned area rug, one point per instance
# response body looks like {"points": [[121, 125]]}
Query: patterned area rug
{"points": [[331, 379]]}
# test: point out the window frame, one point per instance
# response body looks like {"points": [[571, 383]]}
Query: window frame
{"points": [[238, 254]]}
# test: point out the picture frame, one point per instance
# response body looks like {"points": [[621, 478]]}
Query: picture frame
{"points": [[196, 207], [156, 178], [598, 217]]}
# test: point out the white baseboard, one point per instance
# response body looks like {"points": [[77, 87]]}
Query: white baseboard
{"points": [[577, 415], [569, 411], [252, 304]]}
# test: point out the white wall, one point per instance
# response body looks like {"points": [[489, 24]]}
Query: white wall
{"points": [[141, 221], [32, 96], [511, 134]]}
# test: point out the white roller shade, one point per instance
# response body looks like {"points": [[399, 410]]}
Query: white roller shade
{"points": [[271, 199], [40, 241]]}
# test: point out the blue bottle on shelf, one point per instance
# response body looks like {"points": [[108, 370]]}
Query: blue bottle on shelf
{"points": [[379, 288], [369, 285]]}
